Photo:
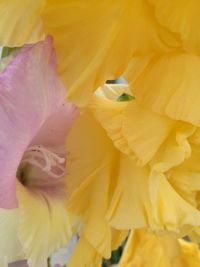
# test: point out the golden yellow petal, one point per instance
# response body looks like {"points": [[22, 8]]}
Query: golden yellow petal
{"points": [[186, 177], [170, 85], [90, 163], [20, 22], [180, 16], [176, 149], [169, 207], [145, 249], [111, 115], [135, 131], [118, 236], [84, 255], [130, 206], [145, 130], [96, 40], [145, 191], [173, 154], [90, 150], [190, 253], [44, 225], [151, 197]]}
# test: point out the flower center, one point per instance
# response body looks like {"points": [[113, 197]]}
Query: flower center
{"points": [[42, 167]]}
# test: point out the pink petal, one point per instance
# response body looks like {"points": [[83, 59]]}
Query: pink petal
{"points": [[29, 94], [55, 129]]}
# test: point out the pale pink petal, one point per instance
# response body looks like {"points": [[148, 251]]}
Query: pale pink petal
{"points": [[29, 94], [55, 129]]}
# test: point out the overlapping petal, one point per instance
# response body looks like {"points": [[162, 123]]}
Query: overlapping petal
{"points": [[129, 178], [144, 249], [160, 144], [46, 224], [91, 161]]}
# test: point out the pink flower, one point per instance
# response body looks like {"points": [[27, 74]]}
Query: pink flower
{"points": [[34, 120]]}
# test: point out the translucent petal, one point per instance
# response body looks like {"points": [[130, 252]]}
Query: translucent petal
{"points": [[10, 247], [46, 224]]}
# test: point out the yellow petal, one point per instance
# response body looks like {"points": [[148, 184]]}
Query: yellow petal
{"points": [[96, 40], [145, 130], [44, 225], [190, 253], [144, 249], [157, 204], [186, 177], [130, 206], [147, 189], [178, 209], [84, 255], [136, 66], [176, 149], [88, 147], [10, 247], [135, 131], [171, 91], [118, 236], [169, 208], [20, 22], [90, 164], [181, 17], [111, 115]]}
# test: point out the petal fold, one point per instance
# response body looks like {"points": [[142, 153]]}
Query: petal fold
{"points": [[170, 91]]}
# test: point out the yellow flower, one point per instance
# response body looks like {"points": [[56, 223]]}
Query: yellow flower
{"points": [[145, 249], [94, 40], [132, 168]]}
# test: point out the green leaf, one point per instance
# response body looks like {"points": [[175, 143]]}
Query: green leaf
{"points": [[125, 97], [6, 51]]}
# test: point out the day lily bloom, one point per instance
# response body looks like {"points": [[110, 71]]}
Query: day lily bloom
{"points": [[145, 249], [35, 120], [95, 40], [145, 164]]}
